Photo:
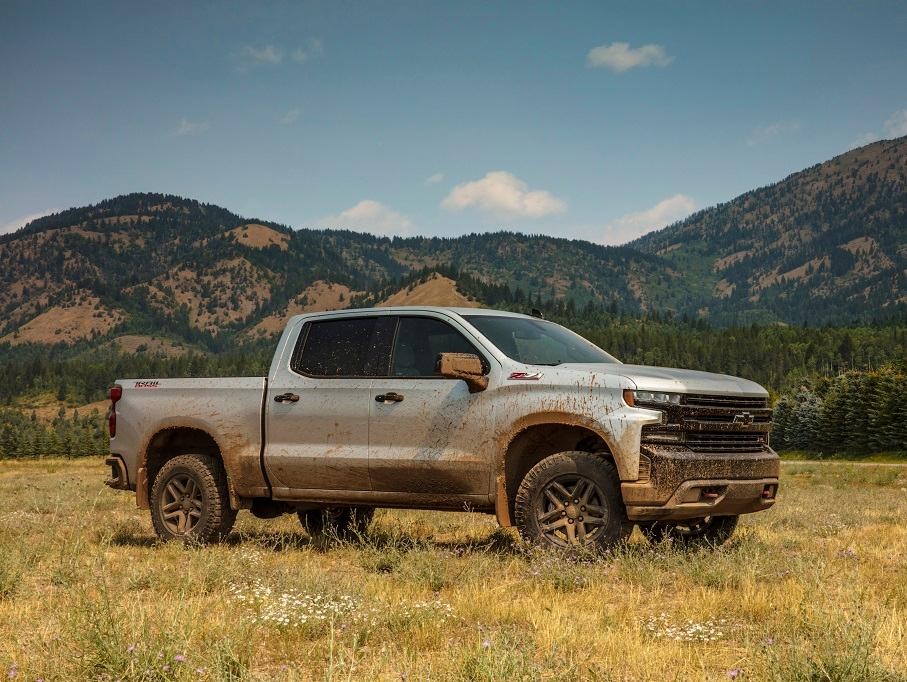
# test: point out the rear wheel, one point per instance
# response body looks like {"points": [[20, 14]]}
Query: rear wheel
{"points": [[707, 531], [342, 522], [190, 500], [572, 499]]}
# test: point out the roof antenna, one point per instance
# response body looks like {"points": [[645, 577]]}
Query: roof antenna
{"points": [[535, 312]]}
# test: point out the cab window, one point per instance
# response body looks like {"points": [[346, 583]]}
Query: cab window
{"points": [[418, 342], [350, 347]]}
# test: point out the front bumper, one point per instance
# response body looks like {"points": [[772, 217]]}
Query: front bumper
{"points": [[682, 484]]}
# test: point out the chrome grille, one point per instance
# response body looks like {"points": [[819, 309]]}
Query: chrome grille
{"points": [[714, 423]]}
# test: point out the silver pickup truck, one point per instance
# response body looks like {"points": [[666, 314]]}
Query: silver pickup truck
{"points": [[447, 408]]}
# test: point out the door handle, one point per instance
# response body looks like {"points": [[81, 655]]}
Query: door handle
{"points": [[389, 398], [286, 398]]}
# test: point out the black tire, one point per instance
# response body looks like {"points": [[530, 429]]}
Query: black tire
{"points": [[546, 511], [341, 522], [708, 531], [190, 500]]}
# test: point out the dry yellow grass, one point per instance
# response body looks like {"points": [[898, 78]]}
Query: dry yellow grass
{"points": [[814, 589]]}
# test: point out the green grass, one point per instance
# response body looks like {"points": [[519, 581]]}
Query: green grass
{"points": [[814, 589], [894, 457]]}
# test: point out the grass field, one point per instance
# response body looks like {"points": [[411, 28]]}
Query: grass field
{"points": [[814, 589]]}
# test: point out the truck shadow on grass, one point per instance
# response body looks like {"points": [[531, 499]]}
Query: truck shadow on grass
{"points": [[387, 547]]}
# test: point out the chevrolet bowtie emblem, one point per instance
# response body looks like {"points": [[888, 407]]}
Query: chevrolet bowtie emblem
{"points": [[744, 418]]}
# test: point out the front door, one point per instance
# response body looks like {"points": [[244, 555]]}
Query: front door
{"points": [[318, 407], [428, 434]]}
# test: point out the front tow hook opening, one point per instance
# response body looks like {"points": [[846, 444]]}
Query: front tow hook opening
{"points": [[769, 491]]}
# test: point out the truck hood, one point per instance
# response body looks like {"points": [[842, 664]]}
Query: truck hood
{"points": [[672, 380]]}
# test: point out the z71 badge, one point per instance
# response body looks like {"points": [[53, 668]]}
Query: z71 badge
{"points": [[525, 376]]}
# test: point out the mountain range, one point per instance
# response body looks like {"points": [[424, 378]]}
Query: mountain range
{"points": [[826, 245]]}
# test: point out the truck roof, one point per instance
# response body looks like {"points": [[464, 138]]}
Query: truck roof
{"points": [[417, 308]]}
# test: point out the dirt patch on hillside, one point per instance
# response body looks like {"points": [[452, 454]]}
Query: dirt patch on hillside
{"points": [[224, 294], [82, 318], [51, 411], [316, 297], [724, 289], [638, 292], [150, 345], [259, 237], [731, 259], [799, 273], [437, 290]]}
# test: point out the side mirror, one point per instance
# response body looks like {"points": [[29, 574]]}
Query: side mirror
{"points": [[465, 366]]}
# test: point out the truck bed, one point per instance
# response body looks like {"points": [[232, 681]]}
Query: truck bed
{"points": [[229, 410]]}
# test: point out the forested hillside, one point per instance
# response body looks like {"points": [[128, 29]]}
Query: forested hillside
{"points": [[827, 245], [824, 245]]}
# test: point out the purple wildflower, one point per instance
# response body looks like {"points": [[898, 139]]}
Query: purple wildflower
{"points": [[179, 658], [733, 673]]}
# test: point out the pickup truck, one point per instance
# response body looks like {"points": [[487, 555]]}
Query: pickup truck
{"points": [[447, 409]]}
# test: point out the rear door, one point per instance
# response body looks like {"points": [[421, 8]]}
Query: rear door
{"points": [[428, 434], [318, 407]]}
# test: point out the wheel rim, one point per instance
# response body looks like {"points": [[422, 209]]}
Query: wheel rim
{"points": [[572, 511], [182, 504]]}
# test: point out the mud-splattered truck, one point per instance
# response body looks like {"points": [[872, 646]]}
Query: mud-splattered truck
{"points": [[447, 408]]}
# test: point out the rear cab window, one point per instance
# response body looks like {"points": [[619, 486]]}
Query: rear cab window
{"points": [[344, 348]]}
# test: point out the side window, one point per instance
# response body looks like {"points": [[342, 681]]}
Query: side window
{"points": [[351, 347], [419, 340]]}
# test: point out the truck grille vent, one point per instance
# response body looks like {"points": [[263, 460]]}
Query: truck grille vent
{"points": [[735, 402], [725, 442]]}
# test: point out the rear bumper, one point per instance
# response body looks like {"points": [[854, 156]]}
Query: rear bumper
{"points": [[119, 479], [682, 484]]}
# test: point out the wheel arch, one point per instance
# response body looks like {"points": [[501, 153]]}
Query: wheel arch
{"points": [[536, 438], [171, 441]]}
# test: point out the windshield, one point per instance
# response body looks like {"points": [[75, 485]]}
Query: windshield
{"points": [[537, 342]]}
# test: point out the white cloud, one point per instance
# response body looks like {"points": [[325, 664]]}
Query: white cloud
{"points": [[190, 128], [896, 125], [620, 57], [370, 216], [434, 179], [765, 133], [22, 221], [312, 50], [290, 117], [266, 54], [504, 195], [633, 225]]}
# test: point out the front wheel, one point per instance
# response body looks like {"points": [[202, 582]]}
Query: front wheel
{"points": [[708, 531], [572, 499], [190, 500]]}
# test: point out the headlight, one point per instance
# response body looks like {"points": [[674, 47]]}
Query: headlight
{"points": [[651, 397]]}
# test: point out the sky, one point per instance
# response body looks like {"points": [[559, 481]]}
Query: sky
{"points": [[598, 121]]}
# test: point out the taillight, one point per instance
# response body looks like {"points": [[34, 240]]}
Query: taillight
{"points": [[116, 392]]}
